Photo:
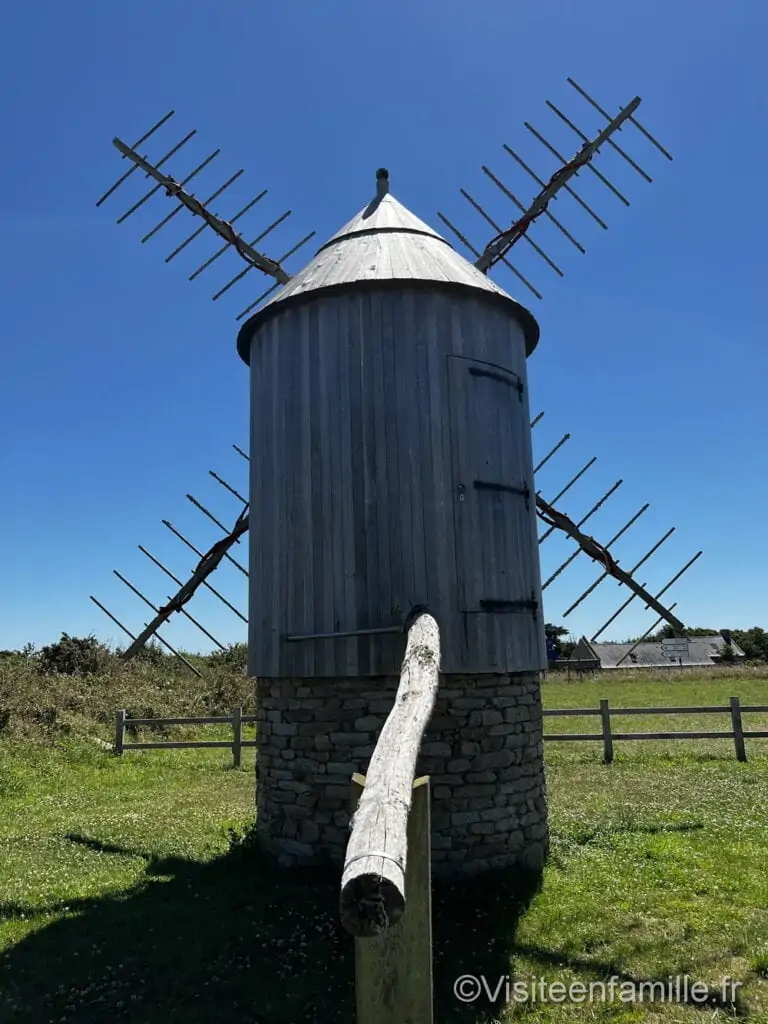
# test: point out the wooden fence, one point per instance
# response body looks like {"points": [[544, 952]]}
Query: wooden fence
{"points": [[237, 720], [605, 712], [737, 732]]}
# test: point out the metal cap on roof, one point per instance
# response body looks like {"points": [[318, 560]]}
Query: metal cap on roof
{"points": [[385, 242]]}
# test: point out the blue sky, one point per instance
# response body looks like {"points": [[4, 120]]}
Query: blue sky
{"points": [[120, 385]]}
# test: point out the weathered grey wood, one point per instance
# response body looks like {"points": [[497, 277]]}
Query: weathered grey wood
{"points": [[285, 442], [387, 244], [237, 719], [738, 730], [382, 595], [367, 378], [361, 355], [424, 501], [206, 720], [180, 744], [393, 970], [237, 736], [575, 737], [493, 527], [458, 426], [174, 745], [337, 484], [373, 882], [407, 410], [119, 730], [436, 448], [702, 735], [160, 722], [351, 516], [303, 508], [296, 480], [605, 716], [710, 709], [262, 530], [737, 733], [315, 507], [392, 432], [570, 712]]}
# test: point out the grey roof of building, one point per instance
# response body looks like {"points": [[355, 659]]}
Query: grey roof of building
{"points": [[385, 242], [701, 650]]}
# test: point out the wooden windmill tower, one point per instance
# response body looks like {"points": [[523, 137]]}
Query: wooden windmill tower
{"points": [[391, 468]]}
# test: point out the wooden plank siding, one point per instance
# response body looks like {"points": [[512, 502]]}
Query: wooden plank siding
{"points": [[357, 436]]}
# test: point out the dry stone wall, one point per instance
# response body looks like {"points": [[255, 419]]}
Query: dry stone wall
{"points": [[483, 750]]}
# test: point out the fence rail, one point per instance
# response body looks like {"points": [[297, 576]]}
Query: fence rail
{"points": [[607, 736], [604, 712], [237, 720]]}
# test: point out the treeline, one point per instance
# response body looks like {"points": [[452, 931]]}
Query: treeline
{"points": [[72, 655]]}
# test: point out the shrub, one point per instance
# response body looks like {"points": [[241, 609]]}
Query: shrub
{"points": [[152, 654], [73, 655], [235, 656]]}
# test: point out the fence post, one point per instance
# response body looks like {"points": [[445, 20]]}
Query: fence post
{"points": [[119, 731], [393, 970], [738, 731], [605, 716], [237, 735]]}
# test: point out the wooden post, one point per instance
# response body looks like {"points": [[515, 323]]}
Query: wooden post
{"points": [[237, 735], [119, 731], [393, 970], [738, 730], [373, 882], [605, 715]]}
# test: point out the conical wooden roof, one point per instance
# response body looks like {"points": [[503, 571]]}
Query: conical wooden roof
{"points": [[385, 242]]}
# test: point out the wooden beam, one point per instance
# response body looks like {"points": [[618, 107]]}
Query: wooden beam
{"points": [[504, 241], [373, 882], [221, 227], [393, 971], [550, 515], [207, 564]]}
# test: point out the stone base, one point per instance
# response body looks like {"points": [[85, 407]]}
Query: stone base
{"points": [[483, 750]]}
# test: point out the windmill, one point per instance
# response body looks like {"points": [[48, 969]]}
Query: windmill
{"points": [[493, 256], [391, 471]]}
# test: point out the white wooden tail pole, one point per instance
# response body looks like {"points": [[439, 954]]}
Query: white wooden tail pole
{"points": [[373, 882], [393, 970]]}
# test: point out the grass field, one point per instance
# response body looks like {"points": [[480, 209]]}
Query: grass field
{"points": [[125, 894]]}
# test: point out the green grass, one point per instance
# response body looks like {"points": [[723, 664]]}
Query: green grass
{"points": [[124, 897]]}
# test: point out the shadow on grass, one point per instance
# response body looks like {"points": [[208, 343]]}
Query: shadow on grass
{"points": [[635, 829], [236, 940]]}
